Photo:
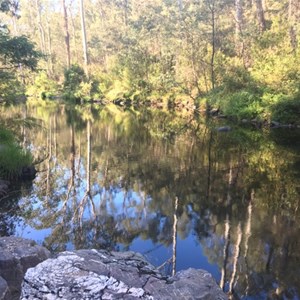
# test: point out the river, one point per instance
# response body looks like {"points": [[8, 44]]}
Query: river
{"points": [[168, 185]]}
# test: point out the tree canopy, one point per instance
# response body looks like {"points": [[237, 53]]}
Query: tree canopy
{"points": [[204, 51], [17, 51]]}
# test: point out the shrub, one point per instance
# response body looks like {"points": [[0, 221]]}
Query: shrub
{"points": [[243, 105], [287, 110], [74, 76], [43, 87], [77, 85], [10, 87], [12, 157]]}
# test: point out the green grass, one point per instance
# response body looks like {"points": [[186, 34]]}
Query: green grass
{"points": [[12, 157]]}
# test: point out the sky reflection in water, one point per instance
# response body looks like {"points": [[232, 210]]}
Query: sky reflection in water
{"points": [[172, 188]]}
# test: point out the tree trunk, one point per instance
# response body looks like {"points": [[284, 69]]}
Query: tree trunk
{"points": [[126, 12], [213, 43], [84, 41], [40, 26], [180, 5], [247, 237], [293, 18], [74, 39], [67, 35], [175, 221], [50, 60], [225, 251], [209, 167], [238, 27], [260, 15], [235, 258]]}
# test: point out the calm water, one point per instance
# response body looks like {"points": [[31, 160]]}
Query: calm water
{"points": [[171, 187]]}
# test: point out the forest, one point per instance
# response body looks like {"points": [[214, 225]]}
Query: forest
{"points": [[237, 56]]}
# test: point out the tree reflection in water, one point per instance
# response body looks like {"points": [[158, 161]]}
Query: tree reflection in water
{"points": [[114, 177]]}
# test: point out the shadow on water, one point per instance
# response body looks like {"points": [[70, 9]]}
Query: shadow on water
{"points": [[171, 187]]}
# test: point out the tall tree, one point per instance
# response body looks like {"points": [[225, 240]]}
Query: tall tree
{"points": [[38, 8], [84, 40], [260, 13], [67, 35], [50, 54], [14, 7], [238, 27], [212, 8], [294, 18], [180, 5]]}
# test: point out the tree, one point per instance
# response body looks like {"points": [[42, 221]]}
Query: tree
{"points": [[293, 18], [67, 35], [238, 27], [212, 8], [260, 15], [16, 51], [84, 41]]}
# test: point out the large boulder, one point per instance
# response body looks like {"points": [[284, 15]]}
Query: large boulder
{"points": [[92, 274], [16, 256]]}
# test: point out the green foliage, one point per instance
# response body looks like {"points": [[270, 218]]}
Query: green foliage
{"points": [[243, 105], [237, 78], [287, 110], [88, 90], [153, 50], [43, 87], [78, 86], [6, 136], [18, 51], [12, 157], [10, 87], [74, 76]]}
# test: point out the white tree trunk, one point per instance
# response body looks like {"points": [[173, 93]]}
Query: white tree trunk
{"points": [[84, 40]]}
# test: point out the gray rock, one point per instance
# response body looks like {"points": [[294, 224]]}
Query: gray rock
{"points": [[28, 173], [16, 256], [275, 124], [4, 291], [4, 185], [92, 274], [224, 129]]}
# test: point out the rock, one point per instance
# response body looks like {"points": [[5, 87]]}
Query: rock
{"points": [[28, 173], [224, 129], [16, 256], [274, 124], [92, 274], [4, 291], [4, 185], [122, 102], [214, 111]]}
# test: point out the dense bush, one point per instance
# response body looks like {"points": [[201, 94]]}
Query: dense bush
{"points": [[43, 87], [243, 105], [10, 87], [78, 86], [287, 110]]}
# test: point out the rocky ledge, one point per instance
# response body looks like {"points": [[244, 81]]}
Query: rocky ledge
{"points": [[93, 274], [17, 255]]}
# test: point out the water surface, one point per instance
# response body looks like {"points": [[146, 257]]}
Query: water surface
{"points": [[169, 186]]}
